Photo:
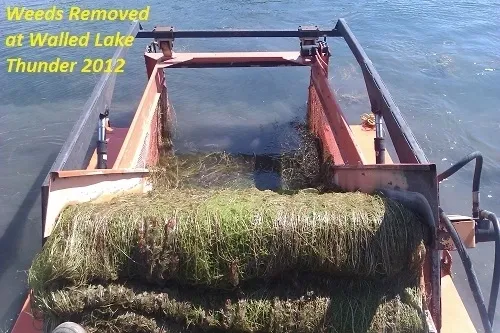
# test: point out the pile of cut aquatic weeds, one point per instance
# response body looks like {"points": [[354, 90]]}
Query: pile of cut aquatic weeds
{"points": [[302, 163], [206, 251], [226, 242], [196, 170], [299, 165], [318, 304], [221, 237]]}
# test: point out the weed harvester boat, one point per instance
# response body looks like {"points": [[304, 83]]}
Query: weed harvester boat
{"points": [[120, 158]]}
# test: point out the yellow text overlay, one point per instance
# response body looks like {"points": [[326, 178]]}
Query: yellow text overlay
{"points": [[97, 65], [75, 13], [66, 39]]}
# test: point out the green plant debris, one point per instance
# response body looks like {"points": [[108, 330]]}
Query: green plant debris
{"points": [[301, 161], [206, 251], [211, 170], [314, 305], [221, 237], [298, 166]]}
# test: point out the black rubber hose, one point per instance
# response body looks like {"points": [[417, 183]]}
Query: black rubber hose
{"points": [[495, 282], [418, 204], [475, 181], [469, 270], [460, 164]]}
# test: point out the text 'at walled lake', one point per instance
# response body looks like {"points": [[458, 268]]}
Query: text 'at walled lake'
{"points": [[65, 39]]}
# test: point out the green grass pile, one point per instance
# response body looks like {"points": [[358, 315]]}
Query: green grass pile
{"points": [[196, 170], [307, 306], [208, 252], [220, 238], [299, 166], [301, 160]]}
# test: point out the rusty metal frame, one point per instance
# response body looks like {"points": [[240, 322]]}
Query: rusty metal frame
{"points": [[404, 141], [466, 229], [405, 177]]}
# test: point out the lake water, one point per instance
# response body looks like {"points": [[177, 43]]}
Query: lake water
{"points": [[439, 59]]}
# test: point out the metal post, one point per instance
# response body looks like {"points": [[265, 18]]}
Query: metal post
{"points": [[379, 139], [102, 145], [166, 44]]}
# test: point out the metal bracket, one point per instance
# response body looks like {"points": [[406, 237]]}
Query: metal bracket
{"points": [[102, 144], [465, 227], [166, 44], [308, 45], [152, 47], [379, 143]]}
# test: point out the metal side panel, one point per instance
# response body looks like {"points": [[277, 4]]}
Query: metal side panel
{"points": [[419, 178], [455, 316], [76, 150], [142, 140], [78, 186]]}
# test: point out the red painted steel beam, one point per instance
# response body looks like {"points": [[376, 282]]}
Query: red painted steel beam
{"points": [[319, 125], [343, 135], [150, 63], [208, 59]]}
